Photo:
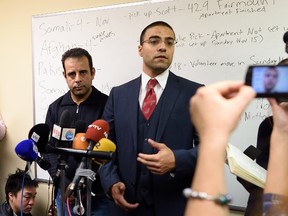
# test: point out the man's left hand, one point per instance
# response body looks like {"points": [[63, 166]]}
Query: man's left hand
{"points": [[161, 162]]}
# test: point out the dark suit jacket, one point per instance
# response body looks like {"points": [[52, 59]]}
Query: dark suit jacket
{"points": [[174, 129]]}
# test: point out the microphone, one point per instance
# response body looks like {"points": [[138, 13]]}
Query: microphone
{"points": [[285, 39], [63, 132], [104, 145], [28, 151], [97, 130], [40, 135], [80, 141]]}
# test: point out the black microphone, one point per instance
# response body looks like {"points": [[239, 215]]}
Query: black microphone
{"points": [[63, 135], [97, 130], [40, 135], [62, 132], [285, 39], [27, 150]]}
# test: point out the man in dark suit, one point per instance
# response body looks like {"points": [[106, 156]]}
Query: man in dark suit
{"points": [[156, 154]]}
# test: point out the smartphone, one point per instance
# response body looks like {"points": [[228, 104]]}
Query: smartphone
{"points": [[269, 81]]}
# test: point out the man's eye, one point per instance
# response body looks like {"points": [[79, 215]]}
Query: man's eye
{"points": [[170, 42], [154, 41], [71, 75]]}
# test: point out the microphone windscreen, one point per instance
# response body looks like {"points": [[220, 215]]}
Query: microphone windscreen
{"points": [[45, 165], [65, 119], [285, 37], [80, 126], [104, 145], [40, 135], [80, 142], [27, 150], [97, 130]]}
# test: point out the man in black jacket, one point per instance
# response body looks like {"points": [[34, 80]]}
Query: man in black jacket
{"points": [[85, 103]]}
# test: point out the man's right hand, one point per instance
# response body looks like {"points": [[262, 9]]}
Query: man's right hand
{"points": [[117, 192]]}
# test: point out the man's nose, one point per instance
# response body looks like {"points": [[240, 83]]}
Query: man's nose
{"points": [[77, 77]]}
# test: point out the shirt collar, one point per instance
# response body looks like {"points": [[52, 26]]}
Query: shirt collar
{"points": [[161, 78]]}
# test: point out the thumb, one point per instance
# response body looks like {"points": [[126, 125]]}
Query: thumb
{"points": [[154, 144], [122, 187]]}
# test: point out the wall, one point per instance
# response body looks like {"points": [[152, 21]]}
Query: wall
{"points": [[16, 77]]}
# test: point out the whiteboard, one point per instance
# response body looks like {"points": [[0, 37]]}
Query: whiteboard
{"points": [[217, 40]]}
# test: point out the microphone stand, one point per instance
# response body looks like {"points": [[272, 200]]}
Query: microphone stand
{"points": [[89, 188], [61, 169]]}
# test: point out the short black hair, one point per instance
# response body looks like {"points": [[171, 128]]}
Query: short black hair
{"points": [[77, 53], [15, 181], [157, 23]]}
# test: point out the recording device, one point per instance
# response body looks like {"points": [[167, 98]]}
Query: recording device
{"points": [[63, 132], [269, 81], [97, 130], [28, 151]]}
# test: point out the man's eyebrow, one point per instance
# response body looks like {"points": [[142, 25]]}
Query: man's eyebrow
{"points": [[157, 36], [29, 193]]}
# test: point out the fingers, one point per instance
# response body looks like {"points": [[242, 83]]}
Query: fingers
{"points": [[226, 88], [117, 191], [245, 95]]}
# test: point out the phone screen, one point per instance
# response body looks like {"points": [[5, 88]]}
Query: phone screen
{"points": [[268, 80]]}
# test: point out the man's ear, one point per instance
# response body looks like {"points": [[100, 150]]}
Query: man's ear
{"points": [[10, 195], [140, 47], [93, 72], [64, 74]]}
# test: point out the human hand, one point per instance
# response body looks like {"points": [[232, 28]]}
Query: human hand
{"points": [[280, 115], [216, 109], [161, 162], [117, 192]]}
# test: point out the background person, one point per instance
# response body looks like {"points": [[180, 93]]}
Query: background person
{"points": [[20, 191], [86, 103], [13, 191]]}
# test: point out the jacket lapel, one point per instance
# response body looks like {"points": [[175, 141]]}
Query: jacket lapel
{"points": [[132, 109], [169, 95]]}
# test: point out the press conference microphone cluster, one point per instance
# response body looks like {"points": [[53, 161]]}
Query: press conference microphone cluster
{"points": [[28, 151], [97, 130], [80, 144]]}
